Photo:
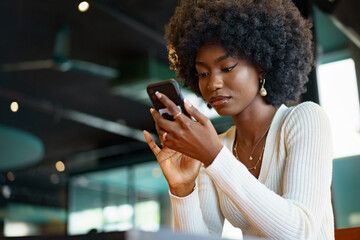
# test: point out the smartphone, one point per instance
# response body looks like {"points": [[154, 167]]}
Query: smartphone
{"points": [[172, 90]]}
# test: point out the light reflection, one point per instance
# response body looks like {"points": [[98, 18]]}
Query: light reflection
{"points": [[19, 229], [14, 106], [83, 6], [54, 178], [156, 172], [354, 219], [60, 166], [341, 103], [119, 214], [10, 176], [6, 191]]}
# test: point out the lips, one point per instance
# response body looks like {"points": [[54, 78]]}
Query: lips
{"points": [[218, 101]]}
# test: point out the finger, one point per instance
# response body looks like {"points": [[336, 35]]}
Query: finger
{"points": [[160, 132], [153, 146], [156, 116], [162, 123], [170, 105], [195, 113]]}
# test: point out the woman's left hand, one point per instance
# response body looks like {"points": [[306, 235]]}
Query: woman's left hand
{"points": [[198, 140]]}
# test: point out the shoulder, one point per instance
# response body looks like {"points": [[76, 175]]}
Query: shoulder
{"points": [[307, 111], [307, 117], [308, 106]]}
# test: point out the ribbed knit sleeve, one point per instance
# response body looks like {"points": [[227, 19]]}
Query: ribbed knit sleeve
{"points": [[299, 212], [191, 217]]}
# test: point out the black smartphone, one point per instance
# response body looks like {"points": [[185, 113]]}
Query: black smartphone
{"points": [[172, 90]]}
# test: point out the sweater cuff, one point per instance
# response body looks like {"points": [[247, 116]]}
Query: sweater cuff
{"points": [[188, 196], [187, 213]]}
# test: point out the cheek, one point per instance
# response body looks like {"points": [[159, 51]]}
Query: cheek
{"points": [[202, 87], [247, 79]]}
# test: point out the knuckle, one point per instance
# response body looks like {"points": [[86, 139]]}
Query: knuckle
{"points": [[160, 122], [195, 111], [173, 108], [207, 121], [186, 126], [166, 100], [180, 133]]}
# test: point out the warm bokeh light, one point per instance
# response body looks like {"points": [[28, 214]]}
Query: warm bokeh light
{"points": [[156, 172], [60, 166], [10, 176], [83, 6], [14, 106]]}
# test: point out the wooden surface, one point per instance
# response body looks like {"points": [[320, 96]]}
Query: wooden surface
{"points": [[347, 233]]}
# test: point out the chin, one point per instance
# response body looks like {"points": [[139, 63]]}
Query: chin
{"points": [[223, 112]]}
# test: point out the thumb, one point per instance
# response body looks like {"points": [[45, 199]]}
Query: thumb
{"points": [[194, 112]]}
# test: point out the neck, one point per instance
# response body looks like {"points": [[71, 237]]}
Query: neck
{"points": [[253, 122]]}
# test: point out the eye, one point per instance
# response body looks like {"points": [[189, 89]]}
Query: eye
{"points": [[228, 69], [202, 75]]}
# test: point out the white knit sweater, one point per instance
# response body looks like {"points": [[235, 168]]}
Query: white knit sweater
{"points": [[291, 199]]}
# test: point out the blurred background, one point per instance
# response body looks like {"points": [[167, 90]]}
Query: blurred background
{"points": [[73, 106]]}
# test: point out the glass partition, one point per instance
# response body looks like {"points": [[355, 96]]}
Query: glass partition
{"points": [[119, 199]]}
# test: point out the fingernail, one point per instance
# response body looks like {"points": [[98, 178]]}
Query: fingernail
{"points": [[151, 110], [188, 103], [158, 94]]}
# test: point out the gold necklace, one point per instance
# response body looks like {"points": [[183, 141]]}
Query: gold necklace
{"points": [[260, 157], [252, 152]]}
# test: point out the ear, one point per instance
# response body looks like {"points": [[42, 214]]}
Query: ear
{"points": [[261, 72]]}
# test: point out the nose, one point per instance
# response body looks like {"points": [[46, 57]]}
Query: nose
{"points": [[215, 82]]}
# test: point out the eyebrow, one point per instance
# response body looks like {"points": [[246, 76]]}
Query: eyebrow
{"points": [[219, 59]]}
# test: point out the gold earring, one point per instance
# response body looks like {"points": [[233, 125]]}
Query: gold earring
{"points": [[262, 91]]}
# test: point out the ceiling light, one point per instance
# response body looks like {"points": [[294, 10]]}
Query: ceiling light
{"points": [[14, 106], [83, 6], [60, 166]]}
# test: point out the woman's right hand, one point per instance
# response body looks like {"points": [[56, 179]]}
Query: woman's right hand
{"points": [[179, 170]]}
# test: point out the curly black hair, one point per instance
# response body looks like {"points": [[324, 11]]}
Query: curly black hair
{"points": [[269, 33]]}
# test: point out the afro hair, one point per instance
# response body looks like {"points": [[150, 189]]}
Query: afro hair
{"points": [[269, 33]]}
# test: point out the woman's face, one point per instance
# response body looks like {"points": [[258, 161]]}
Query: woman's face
{"points": [[229, 84]]}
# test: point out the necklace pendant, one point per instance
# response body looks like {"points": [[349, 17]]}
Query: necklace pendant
{"points": [[255, 168], [250, 158]]}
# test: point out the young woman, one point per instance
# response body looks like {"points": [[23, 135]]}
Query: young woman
{"points": [[269, 174]]}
